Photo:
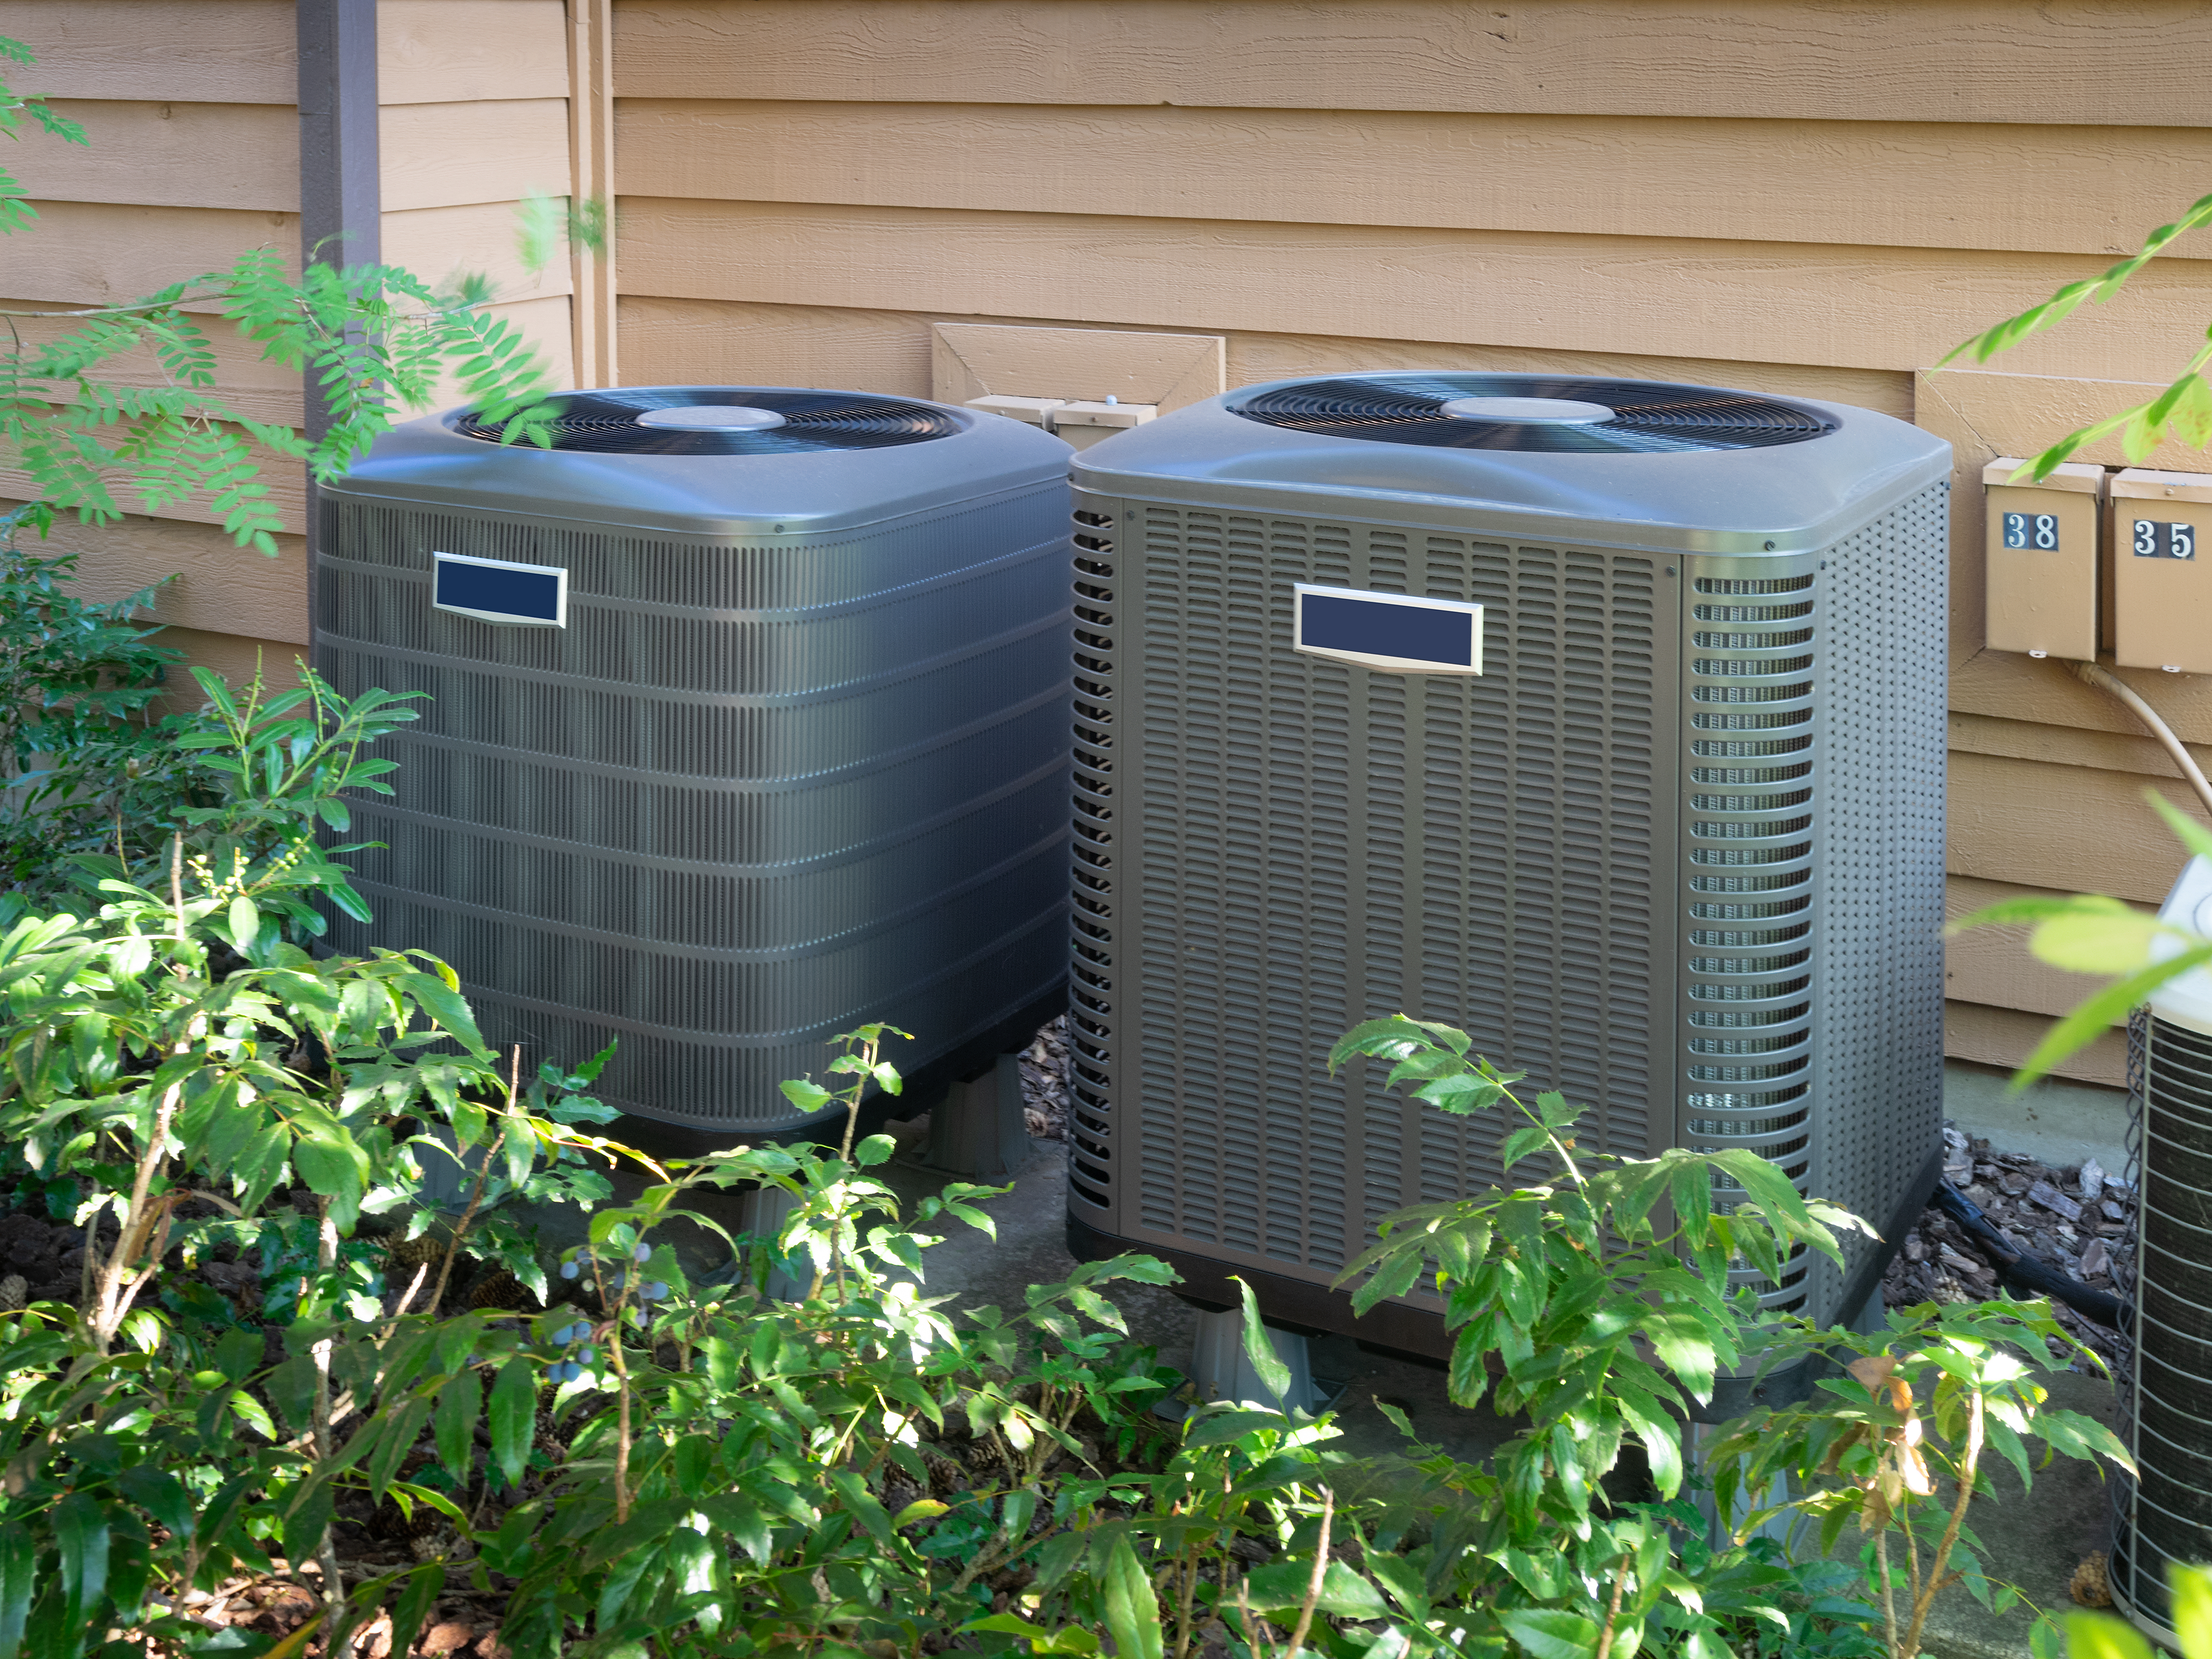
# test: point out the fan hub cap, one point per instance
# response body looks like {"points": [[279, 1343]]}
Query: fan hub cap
{"points": [[1545, 411], [712, 418]]}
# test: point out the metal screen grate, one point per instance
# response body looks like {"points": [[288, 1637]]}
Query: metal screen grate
{"points": [[1271, 847], [750, 797], [2165, 1512]]}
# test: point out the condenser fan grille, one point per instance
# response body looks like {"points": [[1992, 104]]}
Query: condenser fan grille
{"points": [[1647, 418], [809, 422]]}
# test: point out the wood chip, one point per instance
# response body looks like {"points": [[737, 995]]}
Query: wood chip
{"points": [[2052, 1199], [2093, 1182], [2096, 1260], [1957, 1263]]}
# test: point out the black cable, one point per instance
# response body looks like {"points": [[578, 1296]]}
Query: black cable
{"points": [[2031, 1273]]}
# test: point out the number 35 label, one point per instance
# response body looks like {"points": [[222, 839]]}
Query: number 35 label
{"points": [[2156, 540], [2036, 530]]}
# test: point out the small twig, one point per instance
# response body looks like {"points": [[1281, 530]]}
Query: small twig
{"points": [[1881, 1566], [475, 1198], [1313, 1584], [177, 883], [1937, 1578], [1613, 1612], [326, 1549], [1256, 1645]]}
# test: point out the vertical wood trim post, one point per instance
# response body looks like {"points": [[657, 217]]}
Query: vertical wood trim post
{"points": [[591, 163], [341, 196]]}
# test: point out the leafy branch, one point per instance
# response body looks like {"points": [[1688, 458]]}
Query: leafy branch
{"points": [[2184, 408]]}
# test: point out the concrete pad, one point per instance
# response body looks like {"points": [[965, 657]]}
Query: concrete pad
{"points": [[2057, 1120]]}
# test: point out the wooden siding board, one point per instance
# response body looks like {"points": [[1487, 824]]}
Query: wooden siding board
{"points": [[100, 253], [444, 51], [2006, 1036], [212, 585], [436, 155], [438, 244], [1993, 966], [234, 656], [1888, 308], [2063, 827], [2122, 746], [2073, 189], [2093, 62], [216, 52], [182, 155]]}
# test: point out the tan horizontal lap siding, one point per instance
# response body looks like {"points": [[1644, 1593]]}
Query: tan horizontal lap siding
{"points": [[2075, 190], [216, 51], [179, 155], [1889, 308], [1906, 60], [1784, 195], [208, 582]]}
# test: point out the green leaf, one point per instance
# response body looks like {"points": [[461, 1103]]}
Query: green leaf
{"points": [[19, 1555], [2095, 935], [861, 1504], [1284, 1584], [514, 1417], [1273, 1375], [2098, 1636], [162, 1496], [308, 1519], [1551, 1632], [2191, 1613], [414, 1606], [1132, 1613]]}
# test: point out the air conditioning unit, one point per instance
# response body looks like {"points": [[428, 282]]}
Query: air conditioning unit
{"points": [[2160, 1515], [747, 723], [1603, 718]]}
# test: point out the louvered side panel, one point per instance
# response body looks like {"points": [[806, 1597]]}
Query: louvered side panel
{"points": [[751, 797]]}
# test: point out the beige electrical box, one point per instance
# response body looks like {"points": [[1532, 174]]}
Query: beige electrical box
{"points": [[2162, 593], [2042, 563]]}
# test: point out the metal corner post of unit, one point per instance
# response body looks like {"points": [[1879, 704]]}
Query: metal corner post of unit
{"points": [[1666, 834]]}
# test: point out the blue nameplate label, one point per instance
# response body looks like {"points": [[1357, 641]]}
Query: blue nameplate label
{"points": [[1393, 632], [495, 591]]}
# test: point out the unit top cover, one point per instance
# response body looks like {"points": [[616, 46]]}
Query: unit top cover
{"points": [[1567, 457], [711, 460]]}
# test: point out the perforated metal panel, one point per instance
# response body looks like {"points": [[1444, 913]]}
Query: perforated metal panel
{"points": [[758, 791], [1677, 852], [1813, 905]]}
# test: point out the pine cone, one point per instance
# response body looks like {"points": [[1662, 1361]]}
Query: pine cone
{"points": [[14, 1293], [499, 1289], [413, 1252]]}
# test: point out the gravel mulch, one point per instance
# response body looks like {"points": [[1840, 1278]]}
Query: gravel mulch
{"points": [[2076, 1217]]}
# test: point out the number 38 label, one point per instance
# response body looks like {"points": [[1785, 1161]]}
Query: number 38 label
{"points": [[2036, 530], [2155, 539]]}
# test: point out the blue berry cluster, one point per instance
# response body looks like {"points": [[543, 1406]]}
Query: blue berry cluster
{"points": [[567, 1371], [571, 1266]]}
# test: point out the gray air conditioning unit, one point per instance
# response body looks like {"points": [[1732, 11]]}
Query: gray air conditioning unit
{"points": [[2161, 1516], [748, 723], [1603, 718]]}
